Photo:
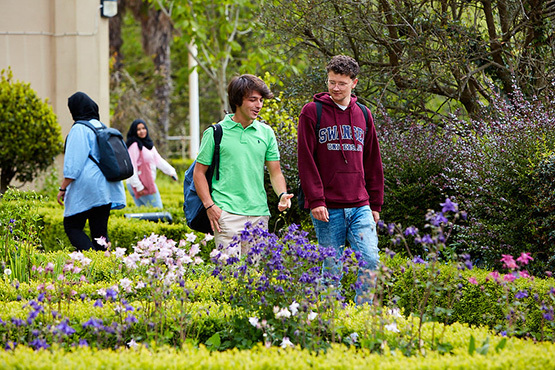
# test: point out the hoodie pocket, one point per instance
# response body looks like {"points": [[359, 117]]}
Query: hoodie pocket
{"points": [[346, 187]]}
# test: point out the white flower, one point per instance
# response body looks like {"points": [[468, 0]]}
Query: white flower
{"points": [[395, 312], [101, 241], [126, 284], [101, 292], [254, 321], [133, 344], [195, 249], [285, 342], [284, 312], [294, 307], [86, 261], [191, 237], [208, 237], [354, 337], [120, 252], [312, 315], [392, 327], [76, 256], [8, 272], [140, 285]]}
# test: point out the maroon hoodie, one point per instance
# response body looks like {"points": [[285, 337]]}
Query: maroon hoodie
{"points": [[340, 166]]}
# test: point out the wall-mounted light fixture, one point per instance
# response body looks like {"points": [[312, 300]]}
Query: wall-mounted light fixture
{"points": [[108, 8]]}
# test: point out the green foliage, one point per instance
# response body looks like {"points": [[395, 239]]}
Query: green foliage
{"points": [[31, 137], [20, 227]]}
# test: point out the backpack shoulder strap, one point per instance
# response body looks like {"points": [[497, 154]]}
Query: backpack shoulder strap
{"points": [[318, 115], [365, 112], [218, 133], [95, 130]]}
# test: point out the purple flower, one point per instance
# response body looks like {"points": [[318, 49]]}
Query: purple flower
{"points": [[390, 253], [111, 294], [411, 230], [98, 303], [547, 313], [391, 228], [38, 343], [521, 294], [439, 219], [418, 259], [83, 343], [449, 206], [131, 319], [94, 323], [427, 239], [64, 328], [17, 322]]}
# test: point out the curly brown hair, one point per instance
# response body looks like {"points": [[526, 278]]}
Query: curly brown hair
{"points": [[343, 65], [241, 86]]}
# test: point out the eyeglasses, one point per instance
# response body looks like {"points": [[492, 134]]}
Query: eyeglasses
{"points": [[341, 85]]}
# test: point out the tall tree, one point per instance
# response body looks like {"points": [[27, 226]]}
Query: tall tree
{"points": [[414, 51], [222, 32], [157, 29]]}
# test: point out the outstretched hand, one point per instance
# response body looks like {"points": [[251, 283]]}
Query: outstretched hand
{"points": [[285, 202]]}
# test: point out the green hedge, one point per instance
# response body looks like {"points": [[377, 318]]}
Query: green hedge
{"points": [[517, 354]]}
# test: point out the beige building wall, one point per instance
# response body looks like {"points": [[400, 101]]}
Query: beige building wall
{"points": [[59, 47]]}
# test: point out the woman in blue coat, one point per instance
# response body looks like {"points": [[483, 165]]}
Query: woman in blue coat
{"points": [[85, 193]]}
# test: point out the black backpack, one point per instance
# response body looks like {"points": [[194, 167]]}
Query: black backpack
{"points": [[195, 213], [300, 193], [114, 162]]}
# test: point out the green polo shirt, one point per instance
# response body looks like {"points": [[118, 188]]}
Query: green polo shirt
{"points": [[243, 153]]}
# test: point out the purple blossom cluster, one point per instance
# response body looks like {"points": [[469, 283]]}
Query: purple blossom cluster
{"points": [[278, 278], [493, 164]]}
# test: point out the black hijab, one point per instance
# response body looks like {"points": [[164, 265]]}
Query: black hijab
{"points": [[82, 107], [133, 138]]}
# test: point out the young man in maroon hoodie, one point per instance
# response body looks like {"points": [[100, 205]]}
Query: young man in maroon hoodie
{"points": [[341, 172]]}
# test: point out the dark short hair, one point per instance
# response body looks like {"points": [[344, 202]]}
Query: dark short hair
{"points": [[343, 65], [241, 86]]}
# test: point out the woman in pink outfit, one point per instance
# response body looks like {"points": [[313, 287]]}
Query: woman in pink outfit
{"points": [[146, 160]]}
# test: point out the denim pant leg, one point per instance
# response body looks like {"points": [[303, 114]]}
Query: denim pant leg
{"points": [[363, 237], [152, 200], [332, 234]]}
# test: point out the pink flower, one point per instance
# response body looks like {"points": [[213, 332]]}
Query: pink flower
{"points": [[472, 280], [509, 277], [494, 275], [509, 261], [524, 274], [524, 258]]}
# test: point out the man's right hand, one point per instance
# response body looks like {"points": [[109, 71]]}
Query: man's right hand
{"points": [[214, 213], [321, 213]]}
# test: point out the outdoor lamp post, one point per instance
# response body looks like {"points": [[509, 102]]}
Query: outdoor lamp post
{"points": [[108, 8]]}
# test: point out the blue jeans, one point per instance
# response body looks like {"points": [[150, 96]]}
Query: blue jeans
{"points": [[357, 226], [150, 200]]}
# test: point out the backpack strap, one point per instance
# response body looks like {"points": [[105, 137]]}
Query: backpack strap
{"points": [[95, 130], [218, 133], [319, 114], [365, 112]]}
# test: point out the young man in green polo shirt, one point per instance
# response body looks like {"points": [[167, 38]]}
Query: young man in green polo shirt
{"points": [[247, 146]]}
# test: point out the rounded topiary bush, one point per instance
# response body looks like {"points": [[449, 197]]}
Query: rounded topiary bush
{"points": [[31, 136]]}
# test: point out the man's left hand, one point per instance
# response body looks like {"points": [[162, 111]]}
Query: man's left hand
{"points": [[285, 202], [376, 215]]}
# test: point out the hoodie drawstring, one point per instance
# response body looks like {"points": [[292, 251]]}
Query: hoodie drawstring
{"points": [[340, 133]]}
